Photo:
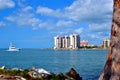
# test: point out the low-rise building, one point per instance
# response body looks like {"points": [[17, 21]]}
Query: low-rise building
{"points": [[83, 43]]}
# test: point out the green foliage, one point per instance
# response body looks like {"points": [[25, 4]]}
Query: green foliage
{"points": [[57, 77], [14, 72], [89, 47]]}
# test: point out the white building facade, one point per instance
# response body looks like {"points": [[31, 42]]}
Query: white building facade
{"points": [[106, 43], [74, 41], [67, 42], [58, 42]]}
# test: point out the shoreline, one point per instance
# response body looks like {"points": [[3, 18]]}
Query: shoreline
{"points": [[36, 74], [61, 49]]}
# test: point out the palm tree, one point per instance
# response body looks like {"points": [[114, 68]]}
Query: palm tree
{"points": [[112, 67]]}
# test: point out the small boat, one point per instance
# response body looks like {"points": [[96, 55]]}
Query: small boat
{"points": [[12, 48]]}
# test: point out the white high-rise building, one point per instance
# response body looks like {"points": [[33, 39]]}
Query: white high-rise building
{"points": [[58, 42], [74, 41], [106, 43], [63, 42], [66, 42]]}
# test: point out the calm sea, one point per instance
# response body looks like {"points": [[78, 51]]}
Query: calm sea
{"points": [[88, 63]]}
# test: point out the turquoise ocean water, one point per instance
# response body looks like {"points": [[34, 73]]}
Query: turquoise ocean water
{"points": [[88, 63]]}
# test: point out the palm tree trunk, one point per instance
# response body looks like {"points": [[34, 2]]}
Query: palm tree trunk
{"points": [[112, 67]]}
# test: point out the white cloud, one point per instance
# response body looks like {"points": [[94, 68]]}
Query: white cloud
{"points": [[94, 32], [2, 24], [98, 32], [90, 10], [49, 12], [82, 11], [25, 17], [63, 23], [98, 36], [79, 30], [6, 4], [65, 31], [26, 9], [44, 10], [94, 36], [94, 27]]}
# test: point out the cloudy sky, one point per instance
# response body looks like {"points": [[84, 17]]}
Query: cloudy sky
{"points": [[34, 23]]}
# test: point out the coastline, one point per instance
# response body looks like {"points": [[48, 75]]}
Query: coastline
{"points": [[83, 49], [61, 49], [36, 74]]}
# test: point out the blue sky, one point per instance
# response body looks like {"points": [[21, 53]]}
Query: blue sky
{"points": [[34, 23]]}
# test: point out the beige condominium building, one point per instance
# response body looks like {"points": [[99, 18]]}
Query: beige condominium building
{"points": [[106, 43], [67, 42]]}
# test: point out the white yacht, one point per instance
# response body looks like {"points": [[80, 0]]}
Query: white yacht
{"points": [[12, 48]]}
